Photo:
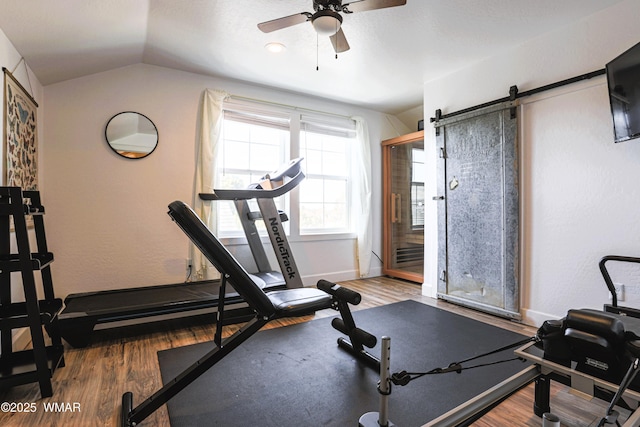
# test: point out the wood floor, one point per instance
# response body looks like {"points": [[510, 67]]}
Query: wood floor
{"points": [[125, 359]]}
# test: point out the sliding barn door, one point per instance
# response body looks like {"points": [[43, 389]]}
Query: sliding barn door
{"points": [[478, 212]]}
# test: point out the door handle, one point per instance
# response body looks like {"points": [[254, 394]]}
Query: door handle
{"points": [[396, 208]]}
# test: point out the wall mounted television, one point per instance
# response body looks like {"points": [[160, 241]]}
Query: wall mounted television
{"points": [[623, 78]]}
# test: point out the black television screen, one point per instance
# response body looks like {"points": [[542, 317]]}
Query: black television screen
{"points": [[623, 77]]}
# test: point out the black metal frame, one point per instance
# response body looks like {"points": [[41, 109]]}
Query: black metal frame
{"points": [[514, 94], [613, 307], [132, 416], [266, 307], [358, 338], [39, 363]]}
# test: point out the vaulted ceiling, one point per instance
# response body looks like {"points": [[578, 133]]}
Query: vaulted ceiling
{"points": [[393, 50]]}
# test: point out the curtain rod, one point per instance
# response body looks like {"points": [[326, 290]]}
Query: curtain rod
{"points": [[513, 91], [292, 107]]}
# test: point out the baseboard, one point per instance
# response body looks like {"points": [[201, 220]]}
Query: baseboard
{"points": [[339, 276], [537, 318], [429, 290], [375, 272]]}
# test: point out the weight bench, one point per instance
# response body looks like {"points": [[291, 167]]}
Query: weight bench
{"points": [[267, 306]]}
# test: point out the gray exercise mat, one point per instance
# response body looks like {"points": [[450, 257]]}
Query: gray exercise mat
{"points": [[297, 375]]}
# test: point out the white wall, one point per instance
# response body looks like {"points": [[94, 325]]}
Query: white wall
{"points": [[411, 117], [10, 59], [106, 215], [579, 190]]}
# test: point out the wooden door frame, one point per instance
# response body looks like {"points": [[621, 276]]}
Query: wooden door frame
{"points": [[386, 206]]}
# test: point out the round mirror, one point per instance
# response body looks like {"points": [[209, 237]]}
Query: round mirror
{"points": [[131, 135]]}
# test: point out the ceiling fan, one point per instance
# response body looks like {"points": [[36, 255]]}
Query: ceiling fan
{"points": [[327, 20]]}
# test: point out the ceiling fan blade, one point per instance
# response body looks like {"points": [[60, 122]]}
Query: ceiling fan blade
{"points": [[287, 21], [364, 5], [339, 42]]}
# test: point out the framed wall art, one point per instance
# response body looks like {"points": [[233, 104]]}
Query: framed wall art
{"points": [[20, 136]]}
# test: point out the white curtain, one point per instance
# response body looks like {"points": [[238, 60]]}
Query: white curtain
{"points": [[207, 150], [362, 195]]}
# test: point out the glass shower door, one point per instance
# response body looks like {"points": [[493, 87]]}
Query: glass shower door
{"points": [[403, 192]]}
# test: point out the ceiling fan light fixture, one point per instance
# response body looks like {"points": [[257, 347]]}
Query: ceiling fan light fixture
{"points": [[326, 22]]}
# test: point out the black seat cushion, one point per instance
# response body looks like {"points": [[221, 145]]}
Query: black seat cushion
{"points": [[258, 281], [599, 323], [299, 301]]}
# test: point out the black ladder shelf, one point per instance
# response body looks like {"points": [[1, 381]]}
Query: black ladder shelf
{"points": [[39, 363]]}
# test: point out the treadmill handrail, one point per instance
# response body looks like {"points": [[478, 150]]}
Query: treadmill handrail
{"points": [[254, 193], [288, 170]]}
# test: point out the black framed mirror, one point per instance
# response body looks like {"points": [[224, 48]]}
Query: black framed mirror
{"points": [[131, 135]]}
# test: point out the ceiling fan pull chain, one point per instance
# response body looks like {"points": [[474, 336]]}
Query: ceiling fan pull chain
{"points": [[337, 28], [317, 54]]}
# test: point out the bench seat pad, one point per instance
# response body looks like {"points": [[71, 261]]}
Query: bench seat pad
{"points": [[300, 301]]}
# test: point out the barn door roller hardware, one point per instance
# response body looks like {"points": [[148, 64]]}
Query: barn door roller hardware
{"points": [[514, 94]]}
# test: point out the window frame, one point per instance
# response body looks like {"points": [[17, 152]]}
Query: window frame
{"points": [[319, 122], [416, 184]]}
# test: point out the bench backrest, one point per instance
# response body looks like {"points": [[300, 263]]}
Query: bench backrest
{"points": [[220, 257]]}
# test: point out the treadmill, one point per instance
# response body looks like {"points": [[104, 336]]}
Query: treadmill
{"points": [[83, 312], [265, 191]]}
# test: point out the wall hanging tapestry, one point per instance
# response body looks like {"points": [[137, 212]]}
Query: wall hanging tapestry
{"points": [[20, 136]]}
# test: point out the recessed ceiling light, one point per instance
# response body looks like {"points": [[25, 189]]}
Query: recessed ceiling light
{"points": [[275, 47]]}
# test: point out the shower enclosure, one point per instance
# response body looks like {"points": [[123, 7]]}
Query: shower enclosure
{"points": [[403, 206]]}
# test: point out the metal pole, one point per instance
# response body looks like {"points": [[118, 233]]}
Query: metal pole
{"points": [[385, 385], [550, 420], [381, 419]]}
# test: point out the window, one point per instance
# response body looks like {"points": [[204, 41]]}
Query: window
{"points": [[251, 145], [255, 143], [325, 193], [417, 188]]}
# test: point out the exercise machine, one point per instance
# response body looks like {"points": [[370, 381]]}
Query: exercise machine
{"points": [[84, 311], [265, 192], [595, 352], [266, 306], [473, 409]]}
